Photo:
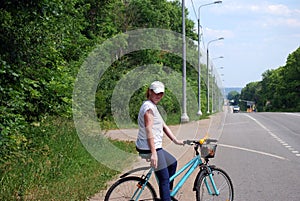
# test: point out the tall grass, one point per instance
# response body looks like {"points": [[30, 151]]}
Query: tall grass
{"points": [[55, 166]]}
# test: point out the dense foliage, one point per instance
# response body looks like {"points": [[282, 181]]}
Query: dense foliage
{"points": [[56, 167], [233, 97], [279, 89], [42, 46], [43, 43]]}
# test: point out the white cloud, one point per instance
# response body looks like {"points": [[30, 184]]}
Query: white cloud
{"points": [[278, 9], [281, 22], [271, 9], [213, 33], [262, 13], [257, 7], [254, 8], [259, 34], [293, 22]]}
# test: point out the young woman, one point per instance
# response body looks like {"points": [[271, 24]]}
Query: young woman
{"points": [[149, 140]]}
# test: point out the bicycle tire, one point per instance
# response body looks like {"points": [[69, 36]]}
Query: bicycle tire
{"points": [[124, 189], [223, 183]]}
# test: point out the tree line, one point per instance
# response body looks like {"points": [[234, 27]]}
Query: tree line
{"points": [[43, 46], [44, 43], [279, 89]]}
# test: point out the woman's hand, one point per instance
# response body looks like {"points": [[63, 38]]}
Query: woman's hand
{"points": [[154, 160], [178, 142]]}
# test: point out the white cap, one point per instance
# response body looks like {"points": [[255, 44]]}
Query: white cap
{"points": [[157, 87]]}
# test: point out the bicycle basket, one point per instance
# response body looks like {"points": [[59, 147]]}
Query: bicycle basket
{"points": [[208, 150]]}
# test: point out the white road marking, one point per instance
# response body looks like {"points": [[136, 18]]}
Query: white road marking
{"points": [[295, 114], [290, 148], [253, 151], [236, 123]]}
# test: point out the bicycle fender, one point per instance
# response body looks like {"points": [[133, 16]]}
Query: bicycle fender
{"points": [[196, 179], [202, 171], [134, 170]]}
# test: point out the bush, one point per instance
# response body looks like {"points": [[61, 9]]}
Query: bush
{"points": [[54, 166]]}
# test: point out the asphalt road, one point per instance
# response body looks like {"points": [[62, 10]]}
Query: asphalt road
{"points": [[261, 153]]}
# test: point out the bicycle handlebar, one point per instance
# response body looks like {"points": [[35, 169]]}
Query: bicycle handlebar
{"points": [[200, 142]]}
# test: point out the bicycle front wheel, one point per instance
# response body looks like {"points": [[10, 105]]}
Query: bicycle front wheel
{"points": [[205, 190], [128, 189]]}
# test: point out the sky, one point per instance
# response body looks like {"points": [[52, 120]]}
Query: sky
{"points": [[258, 35]]}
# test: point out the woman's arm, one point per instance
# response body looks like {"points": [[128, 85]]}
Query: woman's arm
{"points": [[170, 134], [148, 119]]}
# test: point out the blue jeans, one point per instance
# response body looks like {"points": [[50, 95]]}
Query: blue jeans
{"points": [[166, 168]]}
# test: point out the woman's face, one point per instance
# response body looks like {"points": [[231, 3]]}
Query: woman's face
{"points": [[155, 98]]}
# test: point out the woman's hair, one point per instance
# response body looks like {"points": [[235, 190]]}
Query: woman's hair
{"points": [[148, 93]]}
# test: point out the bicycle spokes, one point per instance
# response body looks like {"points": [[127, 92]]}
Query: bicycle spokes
{"points": [[214, 186]]}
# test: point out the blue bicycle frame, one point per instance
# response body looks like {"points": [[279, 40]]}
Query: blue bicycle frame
{"points": [[192, 165], [141, 187]]}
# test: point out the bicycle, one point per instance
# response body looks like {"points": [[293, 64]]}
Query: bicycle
{"points": [[211, 183]]}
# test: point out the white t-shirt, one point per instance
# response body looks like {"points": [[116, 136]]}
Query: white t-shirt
{"points": [[157, 129]]}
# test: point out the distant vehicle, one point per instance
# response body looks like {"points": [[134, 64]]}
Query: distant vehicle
{"points": [[236, 109]]}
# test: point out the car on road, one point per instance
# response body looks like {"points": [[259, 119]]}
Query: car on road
{"points": [[236, 109]]}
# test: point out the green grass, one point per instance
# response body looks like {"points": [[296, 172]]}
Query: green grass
{"points": [[127, 146], [55, 166]]}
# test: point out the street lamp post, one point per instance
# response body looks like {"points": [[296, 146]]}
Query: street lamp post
{"points": [[212, 93], [199, 56], [184, 116], [207, 66], [221, 93], [212, 86]]}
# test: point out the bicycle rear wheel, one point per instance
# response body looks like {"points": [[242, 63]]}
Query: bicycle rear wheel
{"points": [[125, 189], [223, 184]]}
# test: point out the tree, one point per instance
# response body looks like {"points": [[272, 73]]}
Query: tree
{"points": [[279, 89], [143, 14], [251, 93], [44, 42], [291, 80], [41, 44], [233, 97]]}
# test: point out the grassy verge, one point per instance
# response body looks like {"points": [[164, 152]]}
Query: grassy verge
{"points": [[55, 166]]}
